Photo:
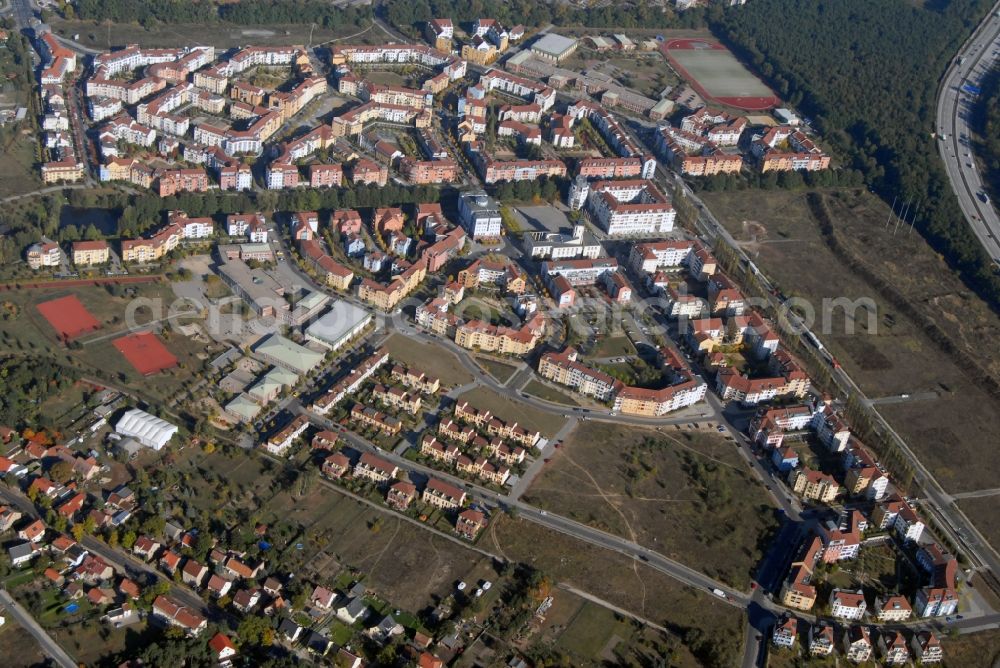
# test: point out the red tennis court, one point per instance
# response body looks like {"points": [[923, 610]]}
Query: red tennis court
{"points": [[68, 317], [146, 353]]}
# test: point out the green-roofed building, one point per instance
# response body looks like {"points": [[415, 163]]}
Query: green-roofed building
{"points": [[269, 386], [278, 350], [243, 408]]}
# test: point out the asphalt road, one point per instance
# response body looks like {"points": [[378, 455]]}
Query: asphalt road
{"points": [[28, 623], [954, 114]]}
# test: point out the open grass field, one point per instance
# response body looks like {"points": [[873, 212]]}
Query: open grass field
{"points": [[613, 346], [977, 649], [96, 354], [685, 494], [502, 372], [511, 411], [18, 171], [614, 578], [928, 333], [222, 35], [402, 562], [19, 648], [429, 358], [983, 510], [593, 635]]}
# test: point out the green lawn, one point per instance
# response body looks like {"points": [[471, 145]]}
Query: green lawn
{"points": [[543, 391], [613, 346], [507, 409], [502, 372]]}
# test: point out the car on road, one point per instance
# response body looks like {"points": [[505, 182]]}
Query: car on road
{"points": [[721, 429], [983, 196]]}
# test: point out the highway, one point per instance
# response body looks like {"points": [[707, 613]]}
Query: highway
{"points": [[954, 115], [28, 623]]}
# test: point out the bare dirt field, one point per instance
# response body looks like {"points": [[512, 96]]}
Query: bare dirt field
{"points": [[685, 494], [928, 335], [614, 578]]}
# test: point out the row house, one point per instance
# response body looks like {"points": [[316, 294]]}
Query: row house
{"points": [[397, 398], [437, 450], [375, 469], [455, 431], [175, 614], [376, 419], [418, 380], [279, 443], [352, 382], [443, 495]]}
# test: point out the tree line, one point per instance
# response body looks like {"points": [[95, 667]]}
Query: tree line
{"points": [[245, 12], [867, 74], [531, 13]]}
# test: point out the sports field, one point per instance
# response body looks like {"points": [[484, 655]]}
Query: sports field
{"points": [[68, 317], [146, 353], [717, 75]]}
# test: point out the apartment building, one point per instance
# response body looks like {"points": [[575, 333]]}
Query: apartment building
{"points": [[388, 296], [857, 644], [90, 253], [563, 368], [613, 133], [153, 248], [654, 403], [894, 608], [486, 337], [813, 485], [279, 443], [332, 272], [630, 208], [46, 254], [849, 605], [422, 172]]}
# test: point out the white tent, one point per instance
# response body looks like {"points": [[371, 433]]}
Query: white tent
{"points": [[148, 429]]}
